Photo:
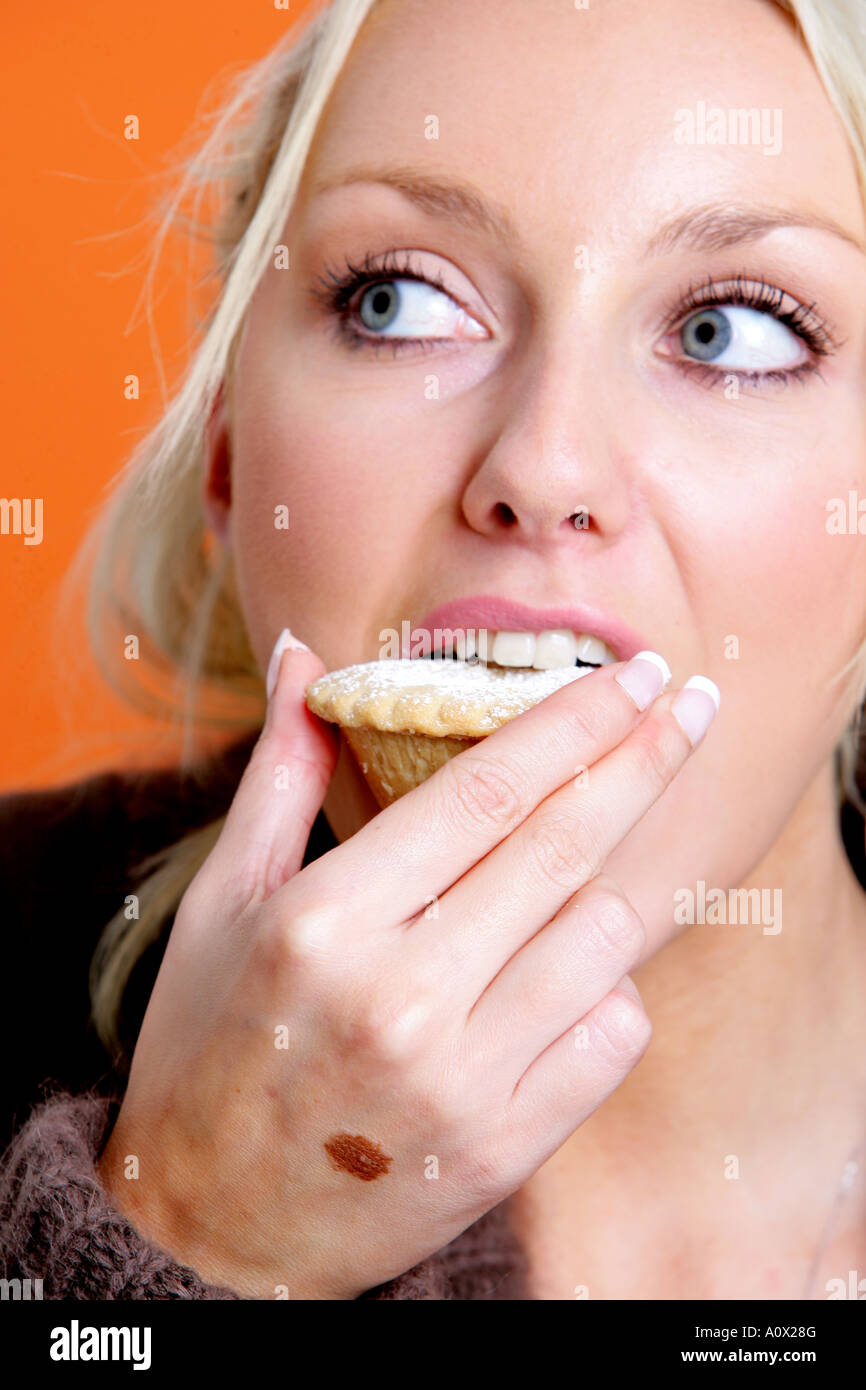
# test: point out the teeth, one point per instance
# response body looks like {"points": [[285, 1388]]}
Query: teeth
{"points": [[557, 648], [514, 649], [592, 649], [471, 644], [544, 651]]}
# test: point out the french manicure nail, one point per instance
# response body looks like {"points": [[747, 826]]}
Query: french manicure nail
{"points": [[695, 707], [645, 677], [286, 640]]}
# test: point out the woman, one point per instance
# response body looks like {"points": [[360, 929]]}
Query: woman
{"points": [[541, 305]]}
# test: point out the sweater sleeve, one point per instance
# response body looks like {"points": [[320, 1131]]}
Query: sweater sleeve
{"points": [[58, 1225], [57, 1222]]}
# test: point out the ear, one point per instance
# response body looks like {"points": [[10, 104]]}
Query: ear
{"points": [[216, 472]]}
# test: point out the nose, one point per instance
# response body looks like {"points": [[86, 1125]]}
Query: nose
{"points": [[555, 473]]}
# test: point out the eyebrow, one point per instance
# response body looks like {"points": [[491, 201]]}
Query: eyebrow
{"points": [[707, 227], [440, 197], [713, 226]]}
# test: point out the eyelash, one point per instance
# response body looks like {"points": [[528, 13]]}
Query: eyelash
{"points": [[802, 319], [338, 288]]}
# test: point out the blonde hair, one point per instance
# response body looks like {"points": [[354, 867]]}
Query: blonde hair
{"points": [[158, 572]]}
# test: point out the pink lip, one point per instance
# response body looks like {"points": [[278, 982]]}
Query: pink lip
{"points": [[500, 614]]}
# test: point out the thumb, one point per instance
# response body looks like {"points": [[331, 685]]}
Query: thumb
{"points": [[265, 834]]}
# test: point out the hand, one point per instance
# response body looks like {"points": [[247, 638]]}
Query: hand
{"points": [[342, 1067]]}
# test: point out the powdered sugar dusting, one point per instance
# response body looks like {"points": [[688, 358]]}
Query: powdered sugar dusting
{"points": [[438, 697]]}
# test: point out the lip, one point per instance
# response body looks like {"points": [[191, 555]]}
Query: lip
{"points": [[501, 614]]}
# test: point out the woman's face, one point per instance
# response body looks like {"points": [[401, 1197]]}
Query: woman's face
{"points": [[559, 366]]}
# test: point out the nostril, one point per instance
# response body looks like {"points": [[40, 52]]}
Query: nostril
{"points": [[505, 514]]}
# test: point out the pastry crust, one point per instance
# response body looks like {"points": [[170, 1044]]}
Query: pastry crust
{"points": [[404, 718], [395, 763]]}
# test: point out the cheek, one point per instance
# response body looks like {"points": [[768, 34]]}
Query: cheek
{"points": [[803, 588], [780, 604], [307, 536], [350, 474], [780, 601]]}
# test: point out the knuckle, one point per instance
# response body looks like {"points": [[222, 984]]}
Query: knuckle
{"points": [[226, 897], [615, 926], [230, 890], [305, 938], [484, 794], [656, 757], [566, 850], [621, 1027], [385, 1030], [587, 721], [243, 886]]}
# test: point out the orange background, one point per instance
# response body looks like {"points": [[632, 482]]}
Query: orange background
{"points": [[74, 263]]}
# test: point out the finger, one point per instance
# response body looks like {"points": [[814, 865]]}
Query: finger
{"points": [[559, 975], [522, 884], [436, 832], [268, 824], [578, 1071]]}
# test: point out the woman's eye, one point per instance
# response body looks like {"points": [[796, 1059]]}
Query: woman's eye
{"points": [[741, 339], [412, 309]]}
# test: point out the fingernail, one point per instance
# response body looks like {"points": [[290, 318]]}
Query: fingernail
{"points": [[285, 640], [695, 707], [645, 677]]}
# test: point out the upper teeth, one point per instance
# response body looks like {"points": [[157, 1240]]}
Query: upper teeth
{"points": [[542, 650]]}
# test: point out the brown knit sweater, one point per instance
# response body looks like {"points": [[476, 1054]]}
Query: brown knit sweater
{"points": [[67, 859]]}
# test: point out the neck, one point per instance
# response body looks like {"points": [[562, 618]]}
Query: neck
{"points": [[756, 1070], [748, 1017], [759, 1042]]}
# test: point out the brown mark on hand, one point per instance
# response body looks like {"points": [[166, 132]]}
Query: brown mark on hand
{"points": [[352, 1153]]}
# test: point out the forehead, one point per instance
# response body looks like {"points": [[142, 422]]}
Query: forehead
{"points": [[571, 115]]}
